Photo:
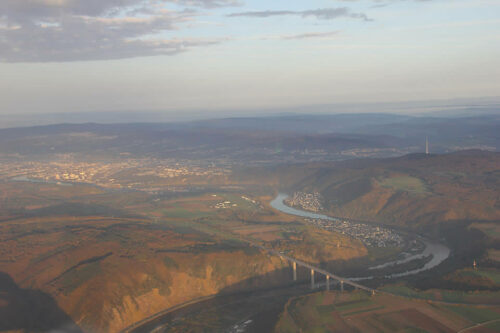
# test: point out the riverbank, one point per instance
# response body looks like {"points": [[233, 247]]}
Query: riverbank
{"points": [[438, 251], [258, 311]]}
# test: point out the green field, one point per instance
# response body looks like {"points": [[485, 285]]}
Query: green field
{"points": [[451, 296], [182, 213], [493, 275], [352, 305], [405, 184], [407, 292], [380, 253], [494, 326], [475, 315]]}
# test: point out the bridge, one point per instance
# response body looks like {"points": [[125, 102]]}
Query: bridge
{"points": [[314, 269], [295, 263]]}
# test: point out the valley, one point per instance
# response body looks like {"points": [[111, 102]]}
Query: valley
{"points": [[249, 166], [130, 243]]}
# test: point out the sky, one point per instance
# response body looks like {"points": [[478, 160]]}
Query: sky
{"points": [[177, 56]]}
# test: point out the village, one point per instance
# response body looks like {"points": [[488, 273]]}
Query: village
{"points": [[307, 201], [370, 235]]}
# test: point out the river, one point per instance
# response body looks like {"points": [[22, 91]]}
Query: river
{"points": [[438, 251], [264, 307], [40, 181]]}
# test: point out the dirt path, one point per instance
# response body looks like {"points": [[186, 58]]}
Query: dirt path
{"points": [[478, 325]]}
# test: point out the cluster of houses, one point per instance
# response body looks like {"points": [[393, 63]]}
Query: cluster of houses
{"points": [[225, 205], [307, 201], [370, 235]]}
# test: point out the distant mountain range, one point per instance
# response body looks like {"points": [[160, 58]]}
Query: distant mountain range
{"points": [[291, 138], [461, 107]]}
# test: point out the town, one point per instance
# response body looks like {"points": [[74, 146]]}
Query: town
{"points": [[370, 235], [144, 173], [306, 201]]}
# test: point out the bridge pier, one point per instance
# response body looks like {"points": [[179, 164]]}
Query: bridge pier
{"points": [[313, 269]]}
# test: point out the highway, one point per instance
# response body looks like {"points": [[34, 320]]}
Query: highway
{"points": [[316, 269]]}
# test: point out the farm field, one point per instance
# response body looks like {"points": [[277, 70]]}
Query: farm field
{"points": [[451, 296], [358, 311], [485, 277], [492, 230], [405, 184], [493, 255]]}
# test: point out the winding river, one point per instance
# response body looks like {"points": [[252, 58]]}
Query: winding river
{"points": [[438, 251], [265, 319]]}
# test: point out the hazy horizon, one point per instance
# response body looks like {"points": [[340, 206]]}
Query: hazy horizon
{"points": [[435, 108]]}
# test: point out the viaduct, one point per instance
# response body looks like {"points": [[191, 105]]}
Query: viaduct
{"points": [[328, 275]]}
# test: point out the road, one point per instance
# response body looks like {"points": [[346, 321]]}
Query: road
{"points": [[478, 325]]}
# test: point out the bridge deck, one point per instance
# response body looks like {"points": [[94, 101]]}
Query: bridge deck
{"points": [[317, 269]]}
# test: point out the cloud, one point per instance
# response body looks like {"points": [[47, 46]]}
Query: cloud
{"points": [[323, 14], [385, 3], [53, 46], [308, 35], [384, 0], [27, 9], [73, 30], [209, 3]]}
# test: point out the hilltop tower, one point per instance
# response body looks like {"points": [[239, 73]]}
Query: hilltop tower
{"points": [[427, 145]]}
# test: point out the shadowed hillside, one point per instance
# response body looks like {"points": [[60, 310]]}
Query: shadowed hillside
{"points": [[30, 310]]}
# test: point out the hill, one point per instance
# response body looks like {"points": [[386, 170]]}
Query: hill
{"points": [[271, 140], [414, 191], [98, 260]]}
